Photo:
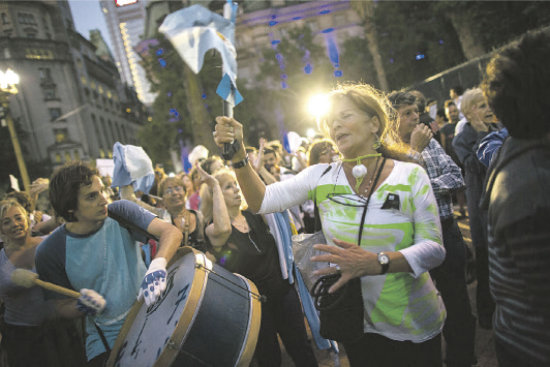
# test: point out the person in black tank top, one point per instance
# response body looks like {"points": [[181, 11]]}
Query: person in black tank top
{"points": [[242, 244]]}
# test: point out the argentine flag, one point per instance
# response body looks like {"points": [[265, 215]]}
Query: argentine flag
{"points": [[195, 30]]}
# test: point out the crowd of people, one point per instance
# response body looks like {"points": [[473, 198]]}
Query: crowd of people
{"points": [[387, 184]]}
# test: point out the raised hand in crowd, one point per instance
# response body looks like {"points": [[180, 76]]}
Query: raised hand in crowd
{"points": [[420, 137]]}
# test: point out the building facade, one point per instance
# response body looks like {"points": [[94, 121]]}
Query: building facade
{"points": [[259, 23], [71, 103], [126, 23]]}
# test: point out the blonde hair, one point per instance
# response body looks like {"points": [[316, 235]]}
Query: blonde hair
{"points": [[207, 204], [7, 204], [373, 102], [469, 99]]}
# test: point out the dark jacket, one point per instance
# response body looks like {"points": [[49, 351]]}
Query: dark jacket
{"points": [[518, 193]]}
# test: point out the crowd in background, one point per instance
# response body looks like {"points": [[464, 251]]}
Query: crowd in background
{"points": [[453, 143]]}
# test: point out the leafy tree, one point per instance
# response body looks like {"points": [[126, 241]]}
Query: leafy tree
{"points": [[267, 110], [415, 42], [181, 109]]}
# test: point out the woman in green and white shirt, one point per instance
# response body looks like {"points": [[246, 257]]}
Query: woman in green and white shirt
{"points": [[401, 238]]}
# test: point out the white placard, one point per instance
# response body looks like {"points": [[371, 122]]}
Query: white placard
{"points": [[105, 167], [14, 183]]}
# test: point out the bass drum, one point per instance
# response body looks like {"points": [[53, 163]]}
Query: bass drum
{"points": [[206, 317]]}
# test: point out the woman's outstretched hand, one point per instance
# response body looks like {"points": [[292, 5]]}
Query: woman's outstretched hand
{"points": [[350, 260], [205, 177]]}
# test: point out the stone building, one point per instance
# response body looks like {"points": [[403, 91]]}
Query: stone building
{"points": [[71, 103]]}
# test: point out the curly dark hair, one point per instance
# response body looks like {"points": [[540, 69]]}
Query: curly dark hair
{"points": [[517, 86], [65, 184]]}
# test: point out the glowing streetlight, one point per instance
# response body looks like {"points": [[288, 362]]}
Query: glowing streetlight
{"points": [[318, 105], [8, 86]]}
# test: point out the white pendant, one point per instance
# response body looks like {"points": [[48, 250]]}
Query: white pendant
{"points": [[359, 171]]}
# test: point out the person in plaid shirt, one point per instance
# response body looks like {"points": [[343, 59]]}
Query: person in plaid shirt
{"points": [[445, 177]]}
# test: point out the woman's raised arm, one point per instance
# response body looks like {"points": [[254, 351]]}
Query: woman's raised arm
{"points": [[228, 130]]}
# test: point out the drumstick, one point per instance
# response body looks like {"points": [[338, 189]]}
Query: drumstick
{"points": [[26, 278]]}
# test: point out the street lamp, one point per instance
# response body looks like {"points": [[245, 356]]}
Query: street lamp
{"points": [[8, 86]]}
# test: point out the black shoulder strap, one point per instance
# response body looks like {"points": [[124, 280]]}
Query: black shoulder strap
{"points": [[131, 227], [199, 225]]}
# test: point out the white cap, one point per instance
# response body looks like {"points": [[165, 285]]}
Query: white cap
{"points": [[198, 152]]}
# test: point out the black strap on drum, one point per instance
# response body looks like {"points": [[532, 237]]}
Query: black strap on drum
{"points": [[259, 297], [102, 336]]}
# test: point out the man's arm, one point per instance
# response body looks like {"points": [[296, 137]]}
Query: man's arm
{"points": [[437, 161], [490, 145], [169, 238]]}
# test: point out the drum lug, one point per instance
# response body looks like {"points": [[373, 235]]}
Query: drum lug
{"points": [[172, 345]]}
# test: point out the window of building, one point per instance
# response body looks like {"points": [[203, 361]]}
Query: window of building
{"points": [[83, 80], [26, 18], [55, 113], [45, 74], [101, 153], [68, 157], [119, 133], [76, 154], [112, 129], [57, 158], [38, 54], [61, 135], [50, 92], [108, 140], [4, 17]]}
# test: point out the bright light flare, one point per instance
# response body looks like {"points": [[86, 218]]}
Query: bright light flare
{"points": [[318, 105], [311, 133], [8, 79]]}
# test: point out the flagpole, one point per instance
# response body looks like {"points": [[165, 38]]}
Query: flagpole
{"points": [[227, 106]]}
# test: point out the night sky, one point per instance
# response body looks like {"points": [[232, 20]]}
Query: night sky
{"points": [[87, 15]]}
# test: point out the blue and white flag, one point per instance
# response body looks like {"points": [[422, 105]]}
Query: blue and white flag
{"points": [[132, 166], [195, 30]]}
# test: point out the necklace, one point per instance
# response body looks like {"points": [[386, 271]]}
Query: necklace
{"points": [[369, 184], [359, 171]]}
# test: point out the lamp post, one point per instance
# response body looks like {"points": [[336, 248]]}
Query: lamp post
{"points": [[8, 86]]}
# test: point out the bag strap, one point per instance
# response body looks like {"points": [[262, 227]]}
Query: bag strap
{"points": [[363, 217]]}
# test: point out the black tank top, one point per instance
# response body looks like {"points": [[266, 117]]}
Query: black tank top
{"points": [[254, 255]]}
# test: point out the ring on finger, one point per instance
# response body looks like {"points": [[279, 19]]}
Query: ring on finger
{"points": [[338, 269]]}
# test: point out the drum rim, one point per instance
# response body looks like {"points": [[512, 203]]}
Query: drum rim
{"points": [[196, 292], [189, 314], [254, 323], [187, 317]]}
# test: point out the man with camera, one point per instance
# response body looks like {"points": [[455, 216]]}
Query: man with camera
{"points": [[445, 178]]}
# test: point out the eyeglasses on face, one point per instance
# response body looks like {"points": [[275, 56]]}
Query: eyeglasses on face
{"points": [[171, 190]]}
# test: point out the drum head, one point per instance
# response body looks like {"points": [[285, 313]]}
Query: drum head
{"points": [[179, 327], [147, 331]]}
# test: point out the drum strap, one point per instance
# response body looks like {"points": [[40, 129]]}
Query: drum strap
{"points": [[102, 336]]}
